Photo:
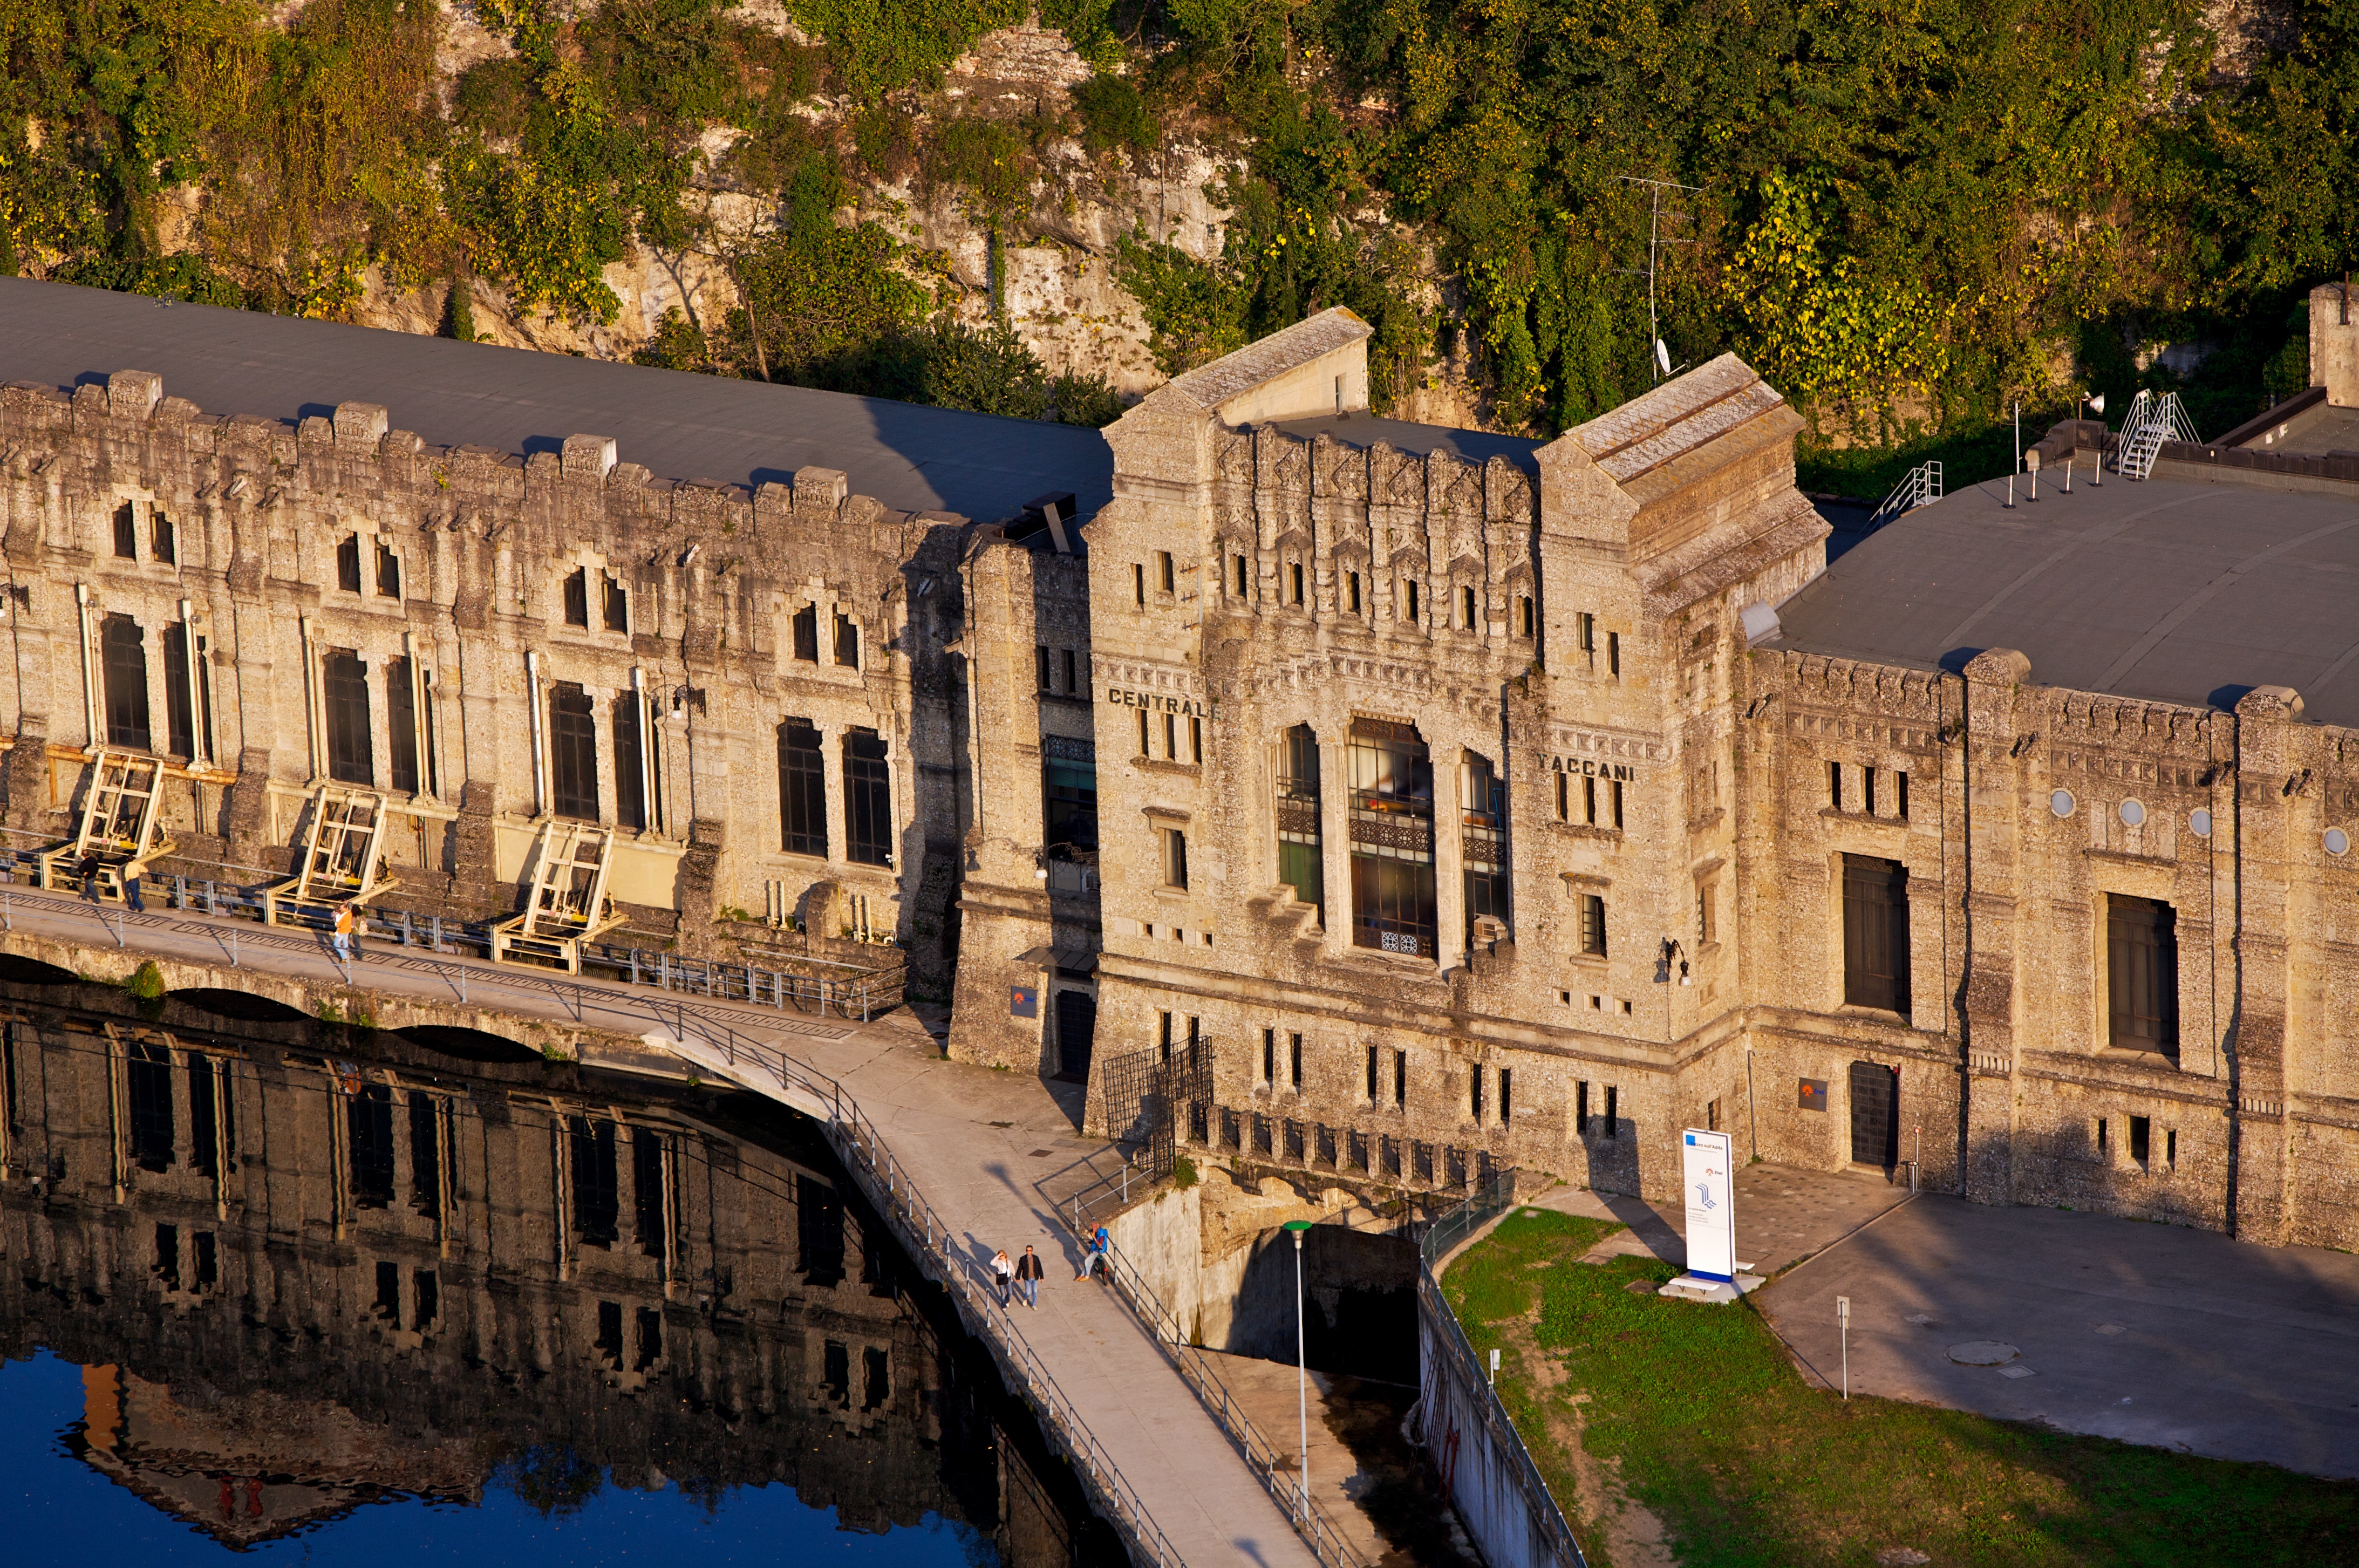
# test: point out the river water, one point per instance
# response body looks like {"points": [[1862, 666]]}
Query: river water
{"points": [[302, 1292]]}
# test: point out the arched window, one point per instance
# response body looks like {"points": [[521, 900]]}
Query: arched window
{"points": [[1301, 863], [1393, 907]]}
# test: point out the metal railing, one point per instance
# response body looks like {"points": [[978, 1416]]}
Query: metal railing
{"points": [[2150, 422], [1919, 487], [1546, 1528], [866, 1157], [1314, 1524]]}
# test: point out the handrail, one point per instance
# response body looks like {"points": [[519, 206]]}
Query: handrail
{"points": [[1440, 1238], [1262, 1457]]}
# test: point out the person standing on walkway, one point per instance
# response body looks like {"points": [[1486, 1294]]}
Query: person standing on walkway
{"points": [[1028, 1274], [344, 924], [1003, 1273], [133, 870], [89, 869]]}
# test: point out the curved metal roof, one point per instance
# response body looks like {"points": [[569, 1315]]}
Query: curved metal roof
{"points": [[2177, 592]]}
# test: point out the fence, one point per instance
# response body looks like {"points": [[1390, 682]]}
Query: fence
{"points": [[1484, 1466]]}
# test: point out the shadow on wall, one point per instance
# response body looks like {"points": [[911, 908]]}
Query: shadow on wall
{"points": [[1359, 1301]]}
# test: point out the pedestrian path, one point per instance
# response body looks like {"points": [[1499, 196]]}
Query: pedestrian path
{"points": [[978, 1145]]}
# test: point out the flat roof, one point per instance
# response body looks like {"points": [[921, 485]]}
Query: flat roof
{"points": [[677, 424], [2173, 591], [1365, 430]]}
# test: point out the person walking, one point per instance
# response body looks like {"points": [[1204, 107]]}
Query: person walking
{"points": [[133, 870], [89, 869], [344, 924], [1028, 1272], [1003, 1274]]}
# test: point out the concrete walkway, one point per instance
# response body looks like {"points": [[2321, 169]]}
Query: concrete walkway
{"points": [[974, 1142]]}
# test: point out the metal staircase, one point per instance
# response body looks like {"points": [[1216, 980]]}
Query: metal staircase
{"points": [[343, 862], [1920, 486], [2150, 422], [567, 905]]}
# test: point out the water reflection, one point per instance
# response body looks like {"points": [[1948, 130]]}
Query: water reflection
{"points": [[296, 1272]]}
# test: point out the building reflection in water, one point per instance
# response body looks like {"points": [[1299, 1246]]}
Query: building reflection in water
{"points": [[306, 1268]]}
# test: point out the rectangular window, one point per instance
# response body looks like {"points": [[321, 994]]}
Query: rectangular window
{"points": [[1295, 589], [1072, 673], [1400, 1078], [1705, 896], [1175, 859], [573, 753], [352, 756], [867, 799], [1589, 801], [161, 544], [2141, 1135], [1593, 925], [148, 1089], [126, 531], [1581, 1107], [2103, 1146], [1613, 1111], [1506, 1095], [1241, 576], [630, 776], [1269, 1056], [401, 718], [1584, 636], [577, 597], [1614, 654], [1875, 934], [807, 633], [1393, 901], [1411, 596], [388, 572], [618, 605], [1901, 796], [1138, 582], [179, 723], [1711, 1117], [1868, 791], [1617, 804], [1835, 785], [1466, 609], [1040, 667], [1171, 737], [1143, 749], [1527, 617], [847, 642], [1372, 1074], [1563, 797], [2170, 1148], [1069, 771], [348, 564], [1482, 842], [803, 789], [1475, 1091], [2142, 972], [1167, 576], [1294, 1061], [1195, 739]]}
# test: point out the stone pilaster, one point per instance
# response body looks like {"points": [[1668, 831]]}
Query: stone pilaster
{"points": [[1994, 791], [2268, 816]]}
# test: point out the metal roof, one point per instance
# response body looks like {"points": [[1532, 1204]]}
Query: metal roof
{"points": [[2173, 591], [677, 424]]}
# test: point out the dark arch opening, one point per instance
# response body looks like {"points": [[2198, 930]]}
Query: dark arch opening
{"points": [[242, 1005], [16, 971], [468, 1045]]}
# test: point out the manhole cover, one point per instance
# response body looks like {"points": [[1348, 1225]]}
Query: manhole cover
{"points": [[1040, 1154], [1982, 1353]]}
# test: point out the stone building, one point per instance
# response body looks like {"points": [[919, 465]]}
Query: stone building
{"points": [[334, 1275], [1462, 800]]}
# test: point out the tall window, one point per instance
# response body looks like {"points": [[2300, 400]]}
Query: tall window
{"points": [[401, 718], [803, 789], [126, 531], [1483, 800], [618, 605], [179, 718], [630, 779], [1069, 788], [350, 757], [348, 564], [847, 642], [1175, 858], [1393, 905], [573, 753], [2142, 972], [1301, 862], [1593, 925], [1875, 934], [807, 633], [161, 544], [867, 799], [388, 572], [125, 655], [577, 597]]}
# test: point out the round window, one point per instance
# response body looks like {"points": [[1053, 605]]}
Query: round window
{"points": [[2198, 823], [2133, 813], [2337, 842], [2061, 803]]}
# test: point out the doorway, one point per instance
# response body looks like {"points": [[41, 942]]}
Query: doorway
{"points": [[1874, 1115], [1077, 1025]]}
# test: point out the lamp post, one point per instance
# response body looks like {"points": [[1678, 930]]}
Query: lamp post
{"points": [[2095, 401], [1301, 1377]]}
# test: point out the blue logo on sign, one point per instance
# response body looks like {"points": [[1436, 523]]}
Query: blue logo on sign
{"points": [[1691, 1140]]}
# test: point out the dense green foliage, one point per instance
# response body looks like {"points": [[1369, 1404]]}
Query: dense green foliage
{"points": [[1908, 213], [1699, 1413]]}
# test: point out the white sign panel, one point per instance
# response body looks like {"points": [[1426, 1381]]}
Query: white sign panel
{"points": [[1706, 1163]]}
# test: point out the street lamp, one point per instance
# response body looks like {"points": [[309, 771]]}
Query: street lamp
{"points": [[1301, 1374], [2095, 401]]}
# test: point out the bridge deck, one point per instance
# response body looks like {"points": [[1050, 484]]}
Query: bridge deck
{"points": [[983, 1147]]}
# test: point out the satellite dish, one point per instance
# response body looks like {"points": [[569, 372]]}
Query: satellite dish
{"points": [[2097, 404], [1662, 356]]}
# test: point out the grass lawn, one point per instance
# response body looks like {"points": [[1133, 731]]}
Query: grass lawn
{"points": [[1714, 1433]]}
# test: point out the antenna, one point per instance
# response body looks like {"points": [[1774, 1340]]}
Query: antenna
{"points": [[1657, 218]]}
